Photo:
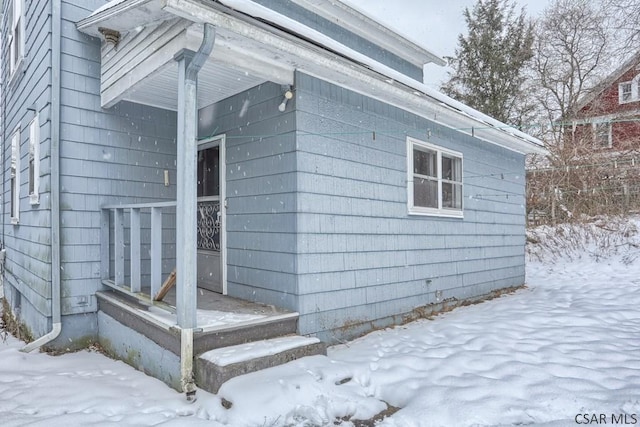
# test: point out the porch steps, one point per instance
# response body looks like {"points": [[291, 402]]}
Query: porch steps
{"points": [[138, 314], [221, 352], [215, 367]]}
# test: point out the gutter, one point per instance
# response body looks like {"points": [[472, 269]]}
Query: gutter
{"points": [[372, 79], [56, 315]]}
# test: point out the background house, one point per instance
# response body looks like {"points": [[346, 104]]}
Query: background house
{"points": [[609, 117], [309, 170], [596, 169]]}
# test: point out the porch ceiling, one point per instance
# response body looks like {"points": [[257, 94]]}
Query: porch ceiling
{"points": [[140, 66], [216, 81]]}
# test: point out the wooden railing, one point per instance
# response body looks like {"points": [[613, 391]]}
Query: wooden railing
{"points": [[113, 218]]}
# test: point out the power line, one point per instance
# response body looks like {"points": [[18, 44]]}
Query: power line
{"points": [[429, 132]]}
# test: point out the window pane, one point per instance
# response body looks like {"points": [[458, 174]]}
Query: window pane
{"points": [[209, 172], [451, 168], [14, 206], [31, 176], [451, 195], [626, 91], [424, 162], [16, 45], [602, 134], [425, 193]]}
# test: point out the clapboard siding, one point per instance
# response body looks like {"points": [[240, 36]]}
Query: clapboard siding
{"points": [[260, 166], [361, 256]]}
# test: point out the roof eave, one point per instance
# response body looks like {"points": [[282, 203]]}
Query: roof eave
{"points": [[376, 81], [124, 17], [368, 28], [608, 81]]}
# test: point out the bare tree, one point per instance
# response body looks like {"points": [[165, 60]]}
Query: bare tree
{"points": [[576, 47], [625, 20], [572, 53]]}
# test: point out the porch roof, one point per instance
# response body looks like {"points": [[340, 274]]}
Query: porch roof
{"points": [[254, 45]]}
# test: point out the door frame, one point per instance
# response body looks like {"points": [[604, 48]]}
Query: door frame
{"points": [[219, 141]]}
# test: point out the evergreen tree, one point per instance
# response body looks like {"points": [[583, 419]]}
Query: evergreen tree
{"points": [[490, 62]]}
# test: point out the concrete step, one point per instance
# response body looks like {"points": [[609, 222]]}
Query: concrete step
{"points": [[138, 315], [217, 366], [273, 326]]}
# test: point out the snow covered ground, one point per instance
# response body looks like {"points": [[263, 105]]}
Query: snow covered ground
{"points": [[566, 345]]}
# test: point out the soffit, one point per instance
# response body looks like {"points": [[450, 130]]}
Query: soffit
{"points": [[216, 81]]}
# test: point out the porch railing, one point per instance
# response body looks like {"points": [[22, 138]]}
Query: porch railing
{"points": [[113, 227]]}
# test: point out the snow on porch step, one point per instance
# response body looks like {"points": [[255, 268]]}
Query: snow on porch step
{"points": [[215, 367]]}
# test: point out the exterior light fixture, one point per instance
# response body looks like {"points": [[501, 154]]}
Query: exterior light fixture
{"points": [[287, 96]]}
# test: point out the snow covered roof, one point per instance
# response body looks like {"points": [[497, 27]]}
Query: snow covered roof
{"points": [[609, 80], [349, 68], [358, 22]]}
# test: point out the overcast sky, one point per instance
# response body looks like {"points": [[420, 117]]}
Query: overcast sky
{"points": [[434, 24]]}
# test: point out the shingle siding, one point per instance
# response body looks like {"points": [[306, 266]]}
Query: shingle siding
{"points": [[316, 196], [107, 156], [28, 269], [361, 256], [261, 199]]}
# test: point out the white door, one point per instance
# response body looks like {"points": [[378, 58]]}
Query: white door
{"points": [[211, 250]]}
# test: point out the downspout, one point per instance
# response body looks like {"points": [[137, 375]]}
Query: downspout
{"points": [[187, 318], [4, 138], [56, 318]]}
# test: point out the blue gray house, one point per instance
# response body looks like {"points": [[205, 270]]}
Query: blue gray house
{"points": [[280, 159]]}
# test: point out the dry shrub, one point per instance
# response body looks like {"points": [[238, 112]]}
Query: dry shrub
{"points": [[598, 238]]}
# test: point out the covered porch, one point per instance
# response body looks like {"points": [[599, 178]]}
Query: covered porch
{"points": [[156, 53], [229, 69]]}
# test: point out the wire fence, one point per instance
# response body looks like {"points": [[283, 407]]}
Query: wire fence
{"points": [[583, 187]]}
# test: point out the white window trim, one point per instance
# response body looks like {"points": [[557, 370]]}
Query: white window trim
{"points": [[621, 99], [594, 129], [635, 90], [17, 18], [15, 183], [440, 211], [34, 156]]}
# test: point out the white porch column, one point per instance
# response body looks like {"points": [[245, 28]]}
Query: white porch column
{"points": [[186, 232], [189, 64]]}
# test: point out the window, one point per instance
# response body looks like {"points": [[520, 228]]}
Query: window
{"points": [[602, 134], [629, 91], [15, 177], [624, 92], [34, 161], [434, 180], [16, 37]]}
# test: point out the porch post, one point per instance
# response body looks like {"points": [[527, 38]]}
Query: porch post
{"points": [[189, 64], [186, 233]]}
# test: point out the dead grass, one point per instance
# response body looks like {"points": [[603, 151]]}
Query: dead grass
{"points": [[598, 237], [10, 325]]}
